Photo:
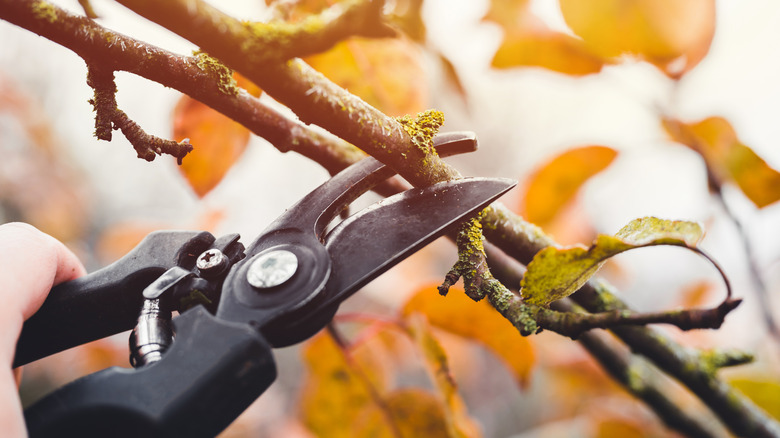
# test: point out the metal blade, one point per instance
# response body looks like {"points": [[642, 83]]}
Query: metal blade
{"points": [[375, 239]]}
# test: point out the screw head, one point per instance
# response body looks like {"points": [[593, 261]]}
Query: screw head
{"points": [[272, 269], [211, 261]]}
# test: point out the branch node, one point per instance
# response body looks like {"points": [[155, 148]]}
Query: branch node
{"points": [[104, 101]]}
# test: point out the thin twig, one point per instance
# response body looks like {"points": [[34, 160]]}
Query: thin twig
{"points": [[755, 272]]}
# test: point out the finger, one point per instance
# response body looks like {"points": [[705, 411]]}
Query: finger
{"points": [[33, 262]]}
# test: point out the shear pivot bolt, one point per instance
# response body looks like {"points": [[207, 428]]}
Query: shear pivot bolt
{"points": [[212, 261], [272, 269]]}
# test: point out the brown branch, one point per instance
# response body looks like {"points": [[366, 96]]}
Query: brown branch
{"points": [[316, 100], [109, 117], [637, 376], [115, 52], [310, 95]]}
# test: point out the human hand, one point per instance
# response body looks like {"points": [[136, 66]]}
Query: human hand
{"points": [[31, 263]]}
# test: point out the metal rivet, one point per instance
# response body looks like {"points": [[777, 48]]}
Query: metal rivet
{"points": [[272, 269], [211, 261]]}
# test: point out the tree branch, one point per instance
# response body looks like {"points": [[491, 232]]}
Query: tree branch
{"points": [[308, 93], [109, 117], [112, 51], [317, 100], [521, 241]]}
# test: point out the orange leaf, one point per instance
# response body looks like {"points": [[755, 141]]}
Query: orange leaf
{"points": [[415, 412], [556, 183], [618, 428], [508, 14], [386, 73], [551, 50], [528, 42], [674, 35], [458, 314], [247, 85], [457, 419], [335, 391], [217, 140], [727, 158]]}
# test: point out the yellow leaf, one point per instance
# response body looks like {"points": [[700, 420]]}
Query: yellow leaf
{"points": [[556, 273], [507, 13], [217, 140], [415, 412], [618, 428], [407, 15], [335, 392], [727, 158], [671, 34], [764, 392], [458, 422], [551, 50], [528, 42], [458, 314], [386, 73], [555, 183]]}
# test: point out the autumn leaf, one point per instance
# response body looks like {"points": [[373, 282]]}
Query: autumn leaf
{"points": [[556, 273], [764, 392], [555, 183], [528, 42], [407, 15], [618, 428], [458, 314], [458, 422], [217, 140], [727, 158], [415, 412], [674, 35], [335, 391], [551, 50], [386, 73]]}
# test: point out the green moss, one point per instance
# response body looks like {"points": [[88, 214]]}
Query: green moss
{"points": [[44, 10], [500, 297], [524, 321], [422, 129], [219, 71]]}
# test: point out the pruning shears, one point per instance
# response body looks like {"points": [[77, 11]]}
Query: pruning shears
{"points": [[194, 373]]}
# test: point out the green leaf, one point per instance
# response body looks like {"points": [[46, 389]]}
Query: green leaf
{"points": [[556, 273]]}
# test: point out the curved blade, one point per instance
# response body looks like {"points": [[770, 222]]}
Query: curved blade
{"points": [[375, 239]]}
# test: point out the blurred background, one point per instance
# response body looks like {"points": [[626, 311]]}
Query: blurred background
{"points": [[527, 110]]}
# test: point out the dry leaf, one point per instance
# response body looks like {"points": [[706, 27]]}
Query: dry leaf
{"points": [[415, 412], [458, 314], [459, 424], [765, 392], [217, 140], [528, 42], [556, 182], [334, 393], [672, 34], [386, 73], [556, 273], [727, 158]]}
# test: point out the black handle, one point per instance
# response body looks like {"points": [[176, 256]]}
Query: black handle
{"points": [[107, 301], [211, 374]]}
